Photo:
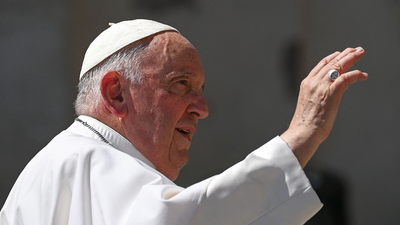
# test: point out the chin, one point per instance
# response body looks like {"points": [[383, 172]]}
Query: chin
{"points": [[171, 174], [182, 160], [174, 177], [174, 172]]}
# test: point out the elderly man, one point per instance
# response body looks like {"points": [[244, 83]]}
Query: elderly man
{"points": [[140, 98]]}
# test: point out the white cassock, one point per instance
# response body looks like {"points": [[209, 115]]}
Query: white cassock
{"points": [[77, 179]]}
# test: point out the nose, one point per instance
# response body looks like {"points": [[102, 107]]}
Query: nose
{"points": [[198, 106]]}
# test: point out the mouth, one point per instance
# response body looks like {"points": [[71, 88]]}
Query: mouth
{"points": [[185, 132]]}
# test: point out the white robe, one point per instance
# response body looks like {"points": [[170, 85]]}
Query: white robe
{"points": [[77, 179]]}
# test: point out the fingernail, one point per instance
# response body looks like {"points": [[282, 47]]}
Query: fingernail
{"points": [[359, 49]]}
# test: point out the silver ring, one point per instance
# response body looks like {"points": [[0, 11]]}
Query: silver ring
{"points": [[333, 74]]}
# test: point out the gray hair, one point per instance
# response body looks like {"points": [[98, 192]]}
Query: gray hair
{"points": [[127, 62]]}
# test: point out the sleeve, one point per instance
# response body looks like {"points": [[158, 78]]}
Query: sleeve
{"points": [[268, 187], [106, 187], [167, 204]]}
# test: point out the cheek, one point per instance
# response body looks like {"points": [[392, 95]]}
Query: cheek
{"points": [[170, 113], [163, 129]]}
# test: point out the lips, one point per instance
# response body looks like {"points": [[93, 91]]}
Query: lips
{"points": [[186, 131]]}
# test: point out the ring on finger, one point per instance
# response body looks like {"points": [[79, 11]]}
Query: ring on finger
{"points": [[333, 74]]}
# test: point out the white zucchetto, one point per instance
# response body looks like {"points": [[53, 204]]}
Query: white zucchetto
{"points": [[116, 37]]}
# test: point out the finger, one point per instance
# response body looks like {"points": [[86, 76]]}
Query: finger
{"points": [[325, 61], [332, 59], [345, 80], [342, 62], [345, 53], [347, 59]]}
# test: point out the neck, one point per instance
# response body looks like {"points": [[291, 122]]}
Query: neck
{"points": [[110, 120]]}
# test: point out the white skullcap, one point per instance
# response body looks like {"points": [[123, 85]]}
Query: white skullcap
{"points": [[116, 37]]}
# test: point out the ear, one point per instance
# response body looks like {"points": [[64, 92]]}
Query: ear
{"points": [[113, 90]]}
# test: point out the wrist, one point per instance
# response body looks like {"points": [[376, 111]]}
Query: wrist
{"points": [[303, 144]]}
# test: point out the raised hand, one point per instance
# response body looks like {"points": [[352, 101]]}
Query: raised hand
{"points": [[318, 102]]}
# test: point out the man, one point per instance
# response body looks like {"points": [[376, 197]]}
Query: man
{"points": [[140, 98]]}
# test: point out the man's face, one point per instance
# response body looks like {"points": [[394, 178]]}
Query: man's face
{"points": [[165, 108]]}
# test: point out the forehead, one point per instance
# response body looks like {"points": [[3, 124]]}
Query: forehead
{"points": [[170, 52], [170, 40]]}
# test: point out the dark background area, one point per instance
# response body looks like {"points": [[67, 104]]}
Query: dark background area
{"points": [[254, 54]]}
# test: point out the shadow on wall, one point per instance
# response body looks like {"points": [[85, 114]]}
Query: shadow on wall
{"points": [[331, 190]]}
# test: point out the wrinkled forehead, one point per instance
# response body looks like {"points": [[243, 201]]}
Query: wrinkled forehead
{"points": [[170, 53], [170, 41], [171, 47]]}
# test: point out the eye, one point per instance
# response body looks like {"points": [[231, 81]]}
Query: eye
{"points": [[180, 87], [183, 82]]}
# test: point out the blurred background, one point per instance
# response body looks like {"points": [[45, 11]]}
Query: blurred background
{"points": [[255, 53]]}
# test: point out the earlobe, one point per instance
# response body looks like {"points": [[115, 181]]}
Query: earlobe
{"points": [[113, 92]]}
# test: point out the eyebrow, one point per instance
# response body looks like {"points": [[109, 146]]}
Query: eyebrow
{"points": [[185, 74]]}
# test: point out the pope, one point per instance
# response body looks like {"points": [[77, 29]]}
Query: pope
{"points": [[140, 99]]}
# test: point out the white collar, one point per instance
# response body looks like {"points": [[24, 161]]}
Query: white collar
{"points": [[116, 140]]}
